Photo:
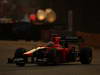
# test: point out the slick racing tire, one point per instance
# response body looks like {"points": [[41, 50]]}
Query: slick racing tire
{"points": [[19, 54], [86, 55], [20, 62]]}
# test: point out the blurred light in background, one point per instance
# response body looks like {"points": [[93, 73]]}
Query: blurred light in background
{"points": [[41, 15], [5, 1], [51, 15], [32, 17]]}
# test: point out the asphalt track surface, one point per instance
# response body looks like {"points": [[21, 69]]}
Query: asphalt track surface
{"points": [[7, 50]]}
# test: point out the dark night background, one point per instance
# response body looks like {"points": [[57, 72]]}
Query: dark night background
{"points": [[86, 14]]}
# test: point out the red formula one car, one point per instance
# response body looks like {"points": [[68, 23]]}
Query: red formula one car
{"points": [[56, 52]]}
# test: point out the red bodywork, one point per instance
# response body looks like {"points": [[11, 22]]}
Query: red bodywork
{"points": [[56, 44]]}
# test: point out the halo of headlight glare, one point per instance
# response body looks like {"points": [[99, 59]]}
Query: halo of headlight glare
{"points": [[48, 10], [41, 15], [51, 15], [47, 14]]}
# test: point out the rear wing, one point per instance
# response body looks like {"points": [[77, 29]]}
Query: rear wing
{"points": [[74, 39]]}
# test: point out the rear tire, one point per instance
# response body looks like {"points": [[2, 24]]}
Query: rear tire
{"points": [[86, 55]]}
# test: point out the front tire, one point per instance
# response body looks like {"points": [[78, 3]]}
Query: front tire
{"points": [[20, 62], [19, 54], [20, 59]]}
